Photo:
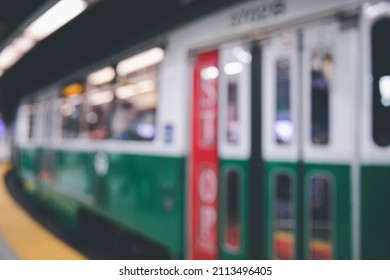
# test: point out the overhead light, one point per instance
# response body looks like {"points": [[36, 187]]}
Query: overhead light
{"points": [[209, 73], [125, 92], [9, 56], [140, 61], [54, 18], [145, 86], [23, 44], [141, 101], [13, 52], [141, 87], [102, 76], [58, 15], [101, 97], [145, 101], [233, 68], [242, 55]]}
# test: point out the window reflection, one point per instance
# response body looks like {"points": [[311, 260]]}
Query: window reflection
{"points": [[381, 82], [71, 111], [115, 103], [283, 125], [283, 218], [321, 74], [384, 89], [233, 70], [232, 114], [48, 124], [134, 115], [320, 224], [97, 111], [96, 120], [31, 111], [233, 224]]}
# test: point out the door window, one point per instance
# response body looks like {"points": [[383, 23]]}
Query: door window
{"points": [[320, 218], [283, 126], [321, 74], [233, 206], [283, 218], [380, 43]]}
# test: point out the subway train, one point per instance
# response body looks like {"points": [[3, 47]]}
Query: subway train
{"points": [[255, 132]]}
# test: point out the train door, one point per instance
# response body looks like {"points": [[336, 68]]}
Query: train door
{"points": [[46, 160], [219, 152], [234, 151], [26, 135], [280, 142], [329, 88], [375, 134], [309, 79]]}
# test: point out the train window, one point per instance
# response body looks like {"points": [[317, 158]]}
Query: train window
{"points": [[283, 125], [96, 113], [381, 82], [21, 126], [134, 115], [320, 219], [31, 113], [48, 120], [99, 102], [71, 112], [232, 71], [321, 74], [283, 218], [233, 221]]}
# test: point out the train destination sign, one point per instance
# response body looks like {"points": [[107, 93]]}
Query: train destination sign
{"points": [[261, 11]]}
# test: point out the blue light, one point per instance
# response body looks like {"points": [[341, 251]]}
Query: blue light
{"points": [[2, 127], [284, 130]]}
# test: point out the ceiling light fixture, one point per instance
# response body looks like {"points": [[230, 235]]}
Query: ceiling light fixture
{"points": [[55, 17]]}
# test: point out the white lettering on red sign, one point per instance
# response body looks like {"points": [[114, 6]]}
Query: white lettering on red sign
{"points": [[208, 186], [208, 222], [208, 192], [208, 111]]}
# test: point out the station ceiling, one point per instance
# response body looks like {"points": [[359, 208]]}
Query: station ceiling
{"points": [[13, 13], [107, 27]]}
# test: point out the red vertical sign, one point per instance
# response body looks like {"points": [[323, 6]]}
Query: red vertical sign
{"points": [[203, 161]]}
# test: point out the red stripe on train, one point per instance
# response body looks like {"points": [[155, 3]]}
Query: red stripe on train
{"points": [[203, 161]]}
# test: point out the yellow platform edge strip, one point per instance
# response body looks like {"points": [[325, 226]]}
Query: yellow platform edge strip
{"points": [[26, 237]]}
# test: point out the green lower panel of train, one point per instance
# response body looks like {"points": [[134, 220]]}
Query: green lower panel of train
{"points": [[141, 193]]}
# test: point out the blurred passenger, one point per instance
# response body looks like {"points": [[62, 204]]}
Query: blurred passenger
{"points": [[122, 118], [321, 72], [96, 126]]}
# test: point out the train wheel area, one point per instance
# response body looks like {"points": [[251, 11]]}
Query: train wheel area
{"points": [[21, 237]]}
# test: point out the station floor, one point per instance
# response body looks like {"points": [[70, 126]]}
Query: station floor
{"points": [[21, 237], [5, 252]]}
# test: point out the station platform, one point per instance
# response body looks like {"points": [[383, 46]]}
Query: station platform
{"points": [[21, 237], [5, 252]]}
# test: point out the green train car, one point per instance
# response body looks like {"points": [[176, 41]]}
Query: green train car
{"points": [[260, 131]]}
